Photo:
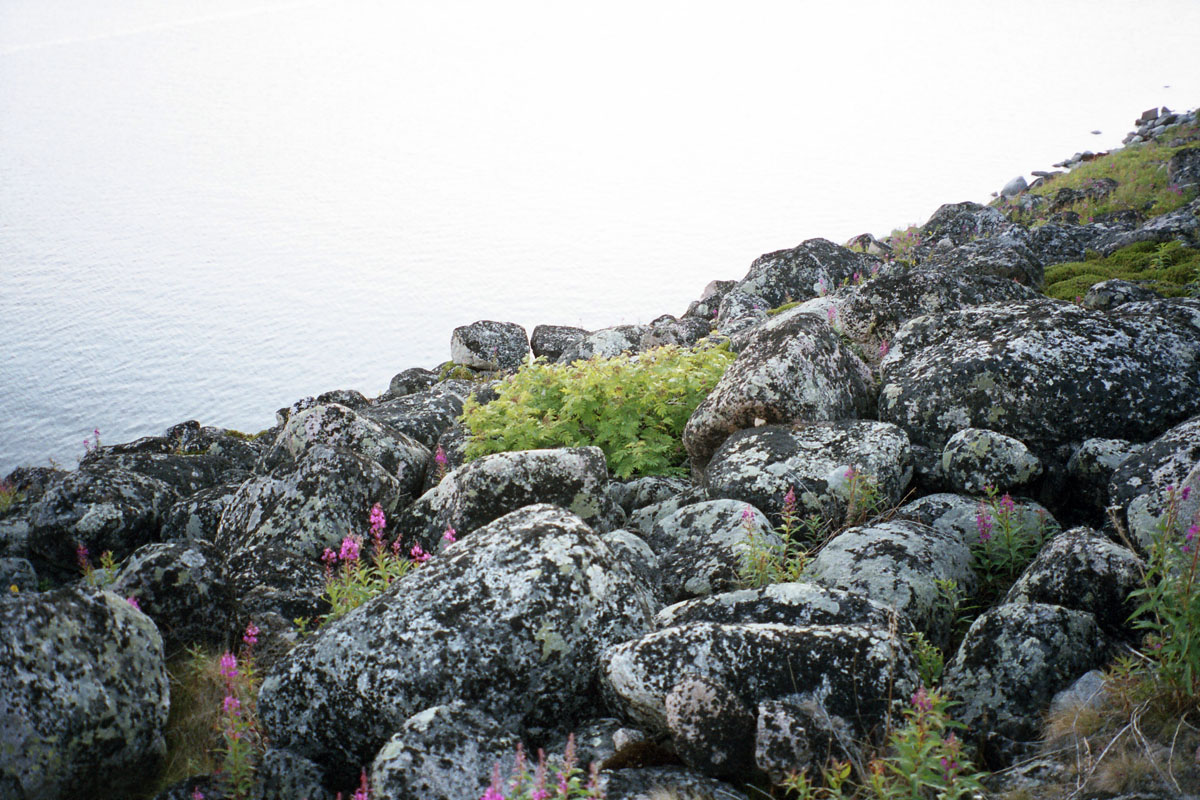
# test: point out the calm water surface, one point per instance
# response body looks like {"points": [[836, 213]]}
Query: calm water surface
{"points": [[211, 209]]}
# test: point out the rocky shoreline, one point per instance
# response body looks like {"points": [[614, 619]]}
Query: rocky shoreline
{"points": [[571, 603]]}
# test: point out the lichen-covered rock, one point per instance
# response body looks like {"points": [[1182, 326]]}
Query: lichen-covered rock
{"points": [[83, 696], [510, 619], [958, 224], [651, 489], [655, 783], [410, 381], [446, 752], [1141, 484], [640, 558], [792, 735], [1002, 257], [197, 517], [604, 343], [182, 587], [703, 546], [799, 604], [711, 727], [337, 426], [644, 519], [277, 526], [575, 478], [899, 563], [424, 415], [550, 341], [958, 515], [186, 474], [1013, 660], [489, 345], [1183, 168], [17, 572], [1085, 571], [1181, 225], [1057, 244], [872, 313], [975, 458], [740, 311], [282, 775], [795, 369], [759, 466], [799, 273], [99, 507], [1115, 292], [1097, 375], [1089, 471], [678, 332], [851, 671]]}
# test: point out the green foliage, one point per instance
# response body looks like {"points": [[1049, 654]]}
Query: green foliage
{"points": [[904, 242], [1140, 172], [461, 372], [1008, 540], [1169, 604], [830, 787], [633, 407], [930, 661], [562, 777], [1166, 267], [9, 496]]}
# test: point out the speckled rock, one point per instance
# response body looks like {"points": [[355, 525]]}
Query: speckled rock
{"points": [[702, 546], [489, 345], [801, 604], [710, 298], [759, 465], [799, 273], [711, 727], [640, 558], [337, 426], [1057, 244], [960, 223], [795, 369], [277, 526], [83, 696], [974, 458], [1183, 169], [446, 752], [186, 474], [424, 415], [898, 563], [957, 515], [849, 670], [1111, 375], [410, 381], [182, 587], [102, 508], [1085, 571], [604, 343], [791, 735], [17, 572], [198, 516], [644, 519], [1003, 257], [1181, 225], [1013, 660], [641, 492], [550, 341], [282, 775], [1115, 292], [510, 619], [575, 478], [740, 311], [30, 484], [678, 332], [1089, 471], [650, 783], [872, 313], [1139, 485]]}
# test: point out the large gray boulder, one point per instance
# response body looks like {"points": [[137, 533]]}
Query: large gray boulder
{"points": [[702, 547], [799, 273], [1140, 488], [423, 415], [511, 619], [1004, 257], [795, 369], [550, 341], [83, 696], [1118, 375], [1089, 471], [759, 466], [899, 563], [489, 345], [575, 478]]}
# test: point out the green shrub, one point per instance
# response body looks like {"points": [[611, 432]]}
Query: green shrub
{"points": [[1165, 267], [633, 407]]}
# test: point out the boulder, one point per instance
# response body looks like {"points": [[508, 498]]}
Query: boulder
{"points": [[1004, 257], [795, 369], [185, 473], [851, 671], [83, 696], [960, 223], [1181, 225], [182, 587], [446, 752], [792, 736], [655, 783], [550, 341], [799, 273], [1058, 244], [641, 492], [739, 312], [489, 487], [1114, 292], [1090, 470], [711, 727], [644, 519], [1015, 657], [197, 517], [604, 343], [1183, 169], [423, 415], [678, 332], [1141, 486], [100, 507], [958, 515], [1083, 570], [410, 381], [975, 458], [702, 547], [510, 619], [899, 563], [489, 345], [1097, 375], [823, 463], [1014, 187], [17, 574], [282, 775]]}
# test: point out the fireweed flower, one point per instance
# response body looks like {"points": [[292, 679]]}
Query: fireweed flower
{"points": [[883, 348], [1183, 494], [850, 473], [350, 548], [250, 637], [747, 515], [450, 536], [228, 665], [363, 792], [493, 792], [983, 522], [378, 521], [921, 700], [233, 705], [418, 554], [133, 602], [81, 558], [439, 458], [789, 501], [1006, 503], [197, 794], [831, 313]]}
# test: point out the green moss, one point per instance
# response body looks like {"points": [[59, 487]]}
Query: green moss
{"points": [[780, 309], [1167, 268], [246, 437]]}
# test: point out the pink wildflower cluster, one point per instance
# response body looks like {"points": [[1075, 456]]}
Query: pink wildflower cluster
{"points": [[566, 782]]}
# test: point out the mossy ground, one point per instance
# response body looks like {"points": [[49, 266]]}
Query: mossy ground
{"points": [[1168, 268]]}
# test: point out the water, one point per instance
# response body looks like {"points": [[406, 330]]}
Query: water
{"points": [[211, 209]]}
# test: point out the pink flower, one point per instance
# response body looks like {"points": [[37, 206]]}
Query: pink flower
{"points": [[921, 700], [1006, 504], [363, 792], [850, 473], [232, 705], [197, 794], [883, 348], [250, 637], [831, 313], [983, 522], [439, 458], [747, 514], [449, 536], [493, 792], [81, 558], [228, 665], [396, 547], [350, 548], [418, 554], [378, 521], [133, 602], [329, 557], [1183, 495], [789, 501]]}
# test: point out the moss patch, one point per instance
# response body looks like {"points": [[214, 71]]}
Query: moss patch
{"points": [[1167, 268]]}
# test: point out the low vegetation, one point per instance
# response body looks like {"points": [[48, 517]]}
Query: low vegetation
{"points": [[1168, 268]]}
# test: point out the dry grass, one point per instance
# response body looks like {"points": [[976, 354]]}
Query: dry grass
{"points": [[193, 732]]}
